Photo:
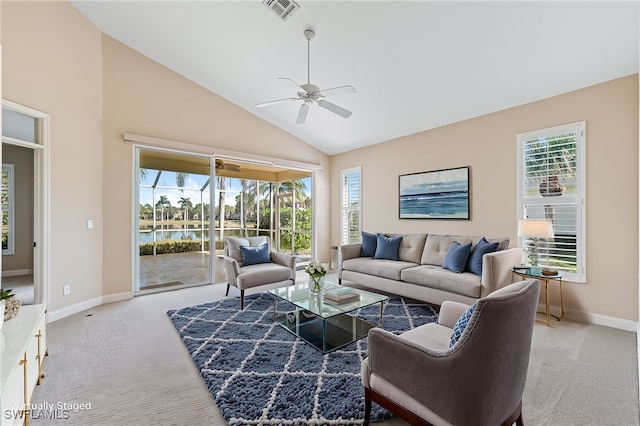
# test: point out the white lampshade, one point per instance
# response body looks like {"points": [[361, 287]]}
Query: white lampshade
{"points": [[535, 228]]}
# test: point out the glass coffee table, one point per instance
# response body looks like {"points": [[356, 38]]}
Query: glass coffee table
{"points": [[323, 326]]}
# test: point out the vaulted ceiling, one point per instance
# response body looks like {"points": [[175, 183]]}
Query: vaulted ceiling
{"points": [[415, 65]]}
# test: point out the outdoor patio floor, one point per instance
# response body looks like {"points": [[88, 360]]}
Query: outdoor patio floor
{"points": [[165, 270], [183, 269]]}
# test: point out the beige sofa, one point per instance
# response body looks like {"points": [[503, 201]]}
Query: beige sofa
{"points": [[419, 272]]}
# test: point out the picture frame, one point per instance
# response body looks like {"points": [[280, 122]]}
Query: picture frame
{"points": [[436, 194]]}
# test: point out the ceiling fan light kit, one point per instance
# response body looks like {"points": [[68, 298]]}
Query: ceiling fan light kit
{"points": [[313, 94]]}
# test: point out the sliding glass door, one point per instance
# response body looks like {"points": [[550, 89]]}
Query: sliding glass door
{"points": [[173, 219]]}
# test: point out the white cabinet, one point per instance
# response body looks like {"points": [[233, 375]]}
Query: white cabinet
{"points": [[23, 345]]}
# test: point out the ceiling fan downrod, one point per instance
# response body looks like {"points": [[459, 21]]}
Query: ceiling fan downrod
{"points": [[309, 35]]}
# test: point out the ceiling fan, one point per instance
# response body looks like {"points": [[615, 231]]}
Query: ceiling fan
{"points": [[311, 93], [221, 165]]}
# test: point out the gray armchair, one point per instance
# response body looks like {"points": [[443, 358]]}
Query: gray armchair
{"points": [[281, 270], [478, 381]]}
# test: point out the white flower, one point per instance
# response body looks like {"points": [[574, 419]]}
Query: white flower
{"points": [[315, 268]]}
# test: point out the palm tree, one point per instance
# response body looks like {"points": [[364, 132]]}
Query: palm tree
{"points": [[163, 202], [185, 205], [296, 186], [146, 211]]}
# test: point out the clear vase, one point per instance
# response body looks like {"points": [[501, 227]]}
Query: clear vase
{"points": [[316, 284]]}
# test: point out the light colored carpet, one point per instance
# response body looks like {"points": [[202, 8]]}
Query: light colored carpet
{"points": [[127, 360]]}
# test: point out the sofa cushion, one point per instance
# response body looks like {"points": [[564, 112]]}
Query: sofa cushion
{"points": [[435, 249], [411, 246], [234, 243], [503, 243], [436, 246], [369, 244], [378, 267], [387, 247], [256, 275], [474, 264], [457, 256], [461, 324], [431, 335], [255, 255], [466, 283]]}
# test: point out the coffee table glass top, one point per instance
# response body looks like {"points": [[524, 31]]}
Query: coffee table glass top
{"points": [[322, 325], [300, 296]]}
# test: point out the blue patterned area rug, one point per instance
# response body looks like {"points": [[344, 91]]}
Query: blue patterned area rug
{"points": [[261, 374]]}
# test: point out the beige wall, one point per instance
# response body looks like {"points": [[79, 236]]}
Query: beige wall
{"points": [[142, 97], [22, 160], [52, 62], [488, 145], [55, 61]]}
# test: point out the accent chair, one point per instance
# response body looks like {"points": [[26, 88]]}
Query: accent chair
{"points": [[249, 263], [449, 373]]}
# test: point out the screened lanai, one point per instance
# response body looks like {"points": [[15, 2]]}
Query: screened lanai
{"points": [[175, 218]]}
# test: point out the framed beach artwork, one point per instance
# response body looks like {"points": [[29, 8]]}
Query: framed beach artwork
{"points": [[438, 194]]}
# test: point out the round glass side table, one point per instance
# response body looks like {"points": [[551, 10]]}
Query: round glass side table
{"points": [[530, 272]]}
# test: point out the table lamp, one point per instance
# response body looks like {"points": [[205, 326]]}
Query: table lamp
{"points": [[535, 229]]}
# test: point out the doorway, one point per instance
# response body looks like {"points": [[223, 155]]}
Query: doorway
{"points": [[187, 203], [25, 210], [173, 220]]}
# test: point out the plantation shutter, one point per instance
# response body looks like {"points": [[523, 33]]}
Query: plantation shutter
{"points": [[551, 186], [350, 195]]}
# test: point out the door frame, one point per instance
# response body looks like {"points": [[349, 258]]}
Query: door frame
{"points": [[41, 197]]}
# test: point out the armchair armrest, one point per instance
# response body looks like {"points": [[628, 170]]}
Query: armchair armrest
{"points": [[496, 269], [450, 311], [412, 365], [231, 270], [285, 260]]}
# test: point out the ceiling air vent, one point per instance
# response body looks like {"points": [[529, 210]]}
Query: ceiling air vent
{"points": [[283, 8]]}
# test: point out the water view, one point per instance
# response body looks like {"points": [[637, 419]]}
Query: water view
{"points": [[173, 234]]}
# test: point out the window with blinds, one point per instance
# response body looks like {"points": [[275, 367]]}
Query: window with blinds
{"points": [[551, 186], [350, 205]]}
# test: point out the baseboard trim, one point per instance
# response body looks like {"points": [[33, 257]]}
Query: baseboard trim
{"points": [[73, 309], [604, 320], [17, 272], [595, 319], [88, 304], [117, 297]]}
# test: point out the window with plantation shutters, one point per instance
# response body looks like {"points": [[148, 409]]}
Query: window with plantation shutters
{"points": [[551, 186], [350, 205]]}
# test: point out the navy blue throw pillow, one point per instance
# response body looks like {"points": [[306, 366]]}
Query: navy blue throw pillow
{"points": [[457, 256], [255, 255], [369, 244], [475, 259], [387, 248]]}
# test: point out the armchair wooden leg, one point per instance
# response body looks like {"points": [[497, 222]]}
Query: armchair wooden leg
{"points": [[227, 293], [241, 300], [516, 417], [367, 406], [396, 409]]}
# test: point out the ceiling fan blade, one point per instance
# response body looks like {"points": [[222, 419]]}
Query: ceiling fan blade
{"points": [[337, 91], [335, 108], [288, 79], [264, 104], [302, 113]]}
